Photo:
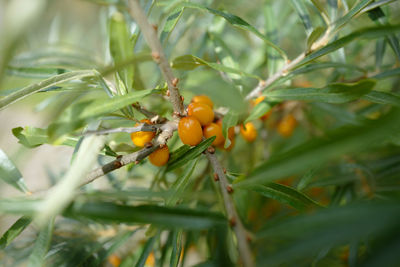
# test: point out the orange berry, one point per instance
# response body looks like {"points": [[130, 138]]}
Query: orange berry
{"points": [[189, 130], [248, 132], [160, 156], [202, 112], [203, 99], [150, 261], [141, 138], [258, 100], [287, 125], [214, 129], [114, 260]]}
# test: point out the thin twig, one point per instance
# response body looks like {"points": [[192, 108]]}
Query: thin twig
{"points": [[167, 130], [284, 71], [234, 219], [150, 35]]}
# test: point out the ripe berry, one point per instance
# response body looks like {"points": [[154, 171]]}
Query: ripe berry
{"points": [[202, 112], [160, 156], [287, 125], [249, 132], [189, 130], [214, 129], [203, 99], [141, 138]]}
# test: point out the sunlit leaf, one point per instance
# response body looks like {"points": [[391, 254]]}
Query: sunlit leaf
{"points": [[10, 174]]}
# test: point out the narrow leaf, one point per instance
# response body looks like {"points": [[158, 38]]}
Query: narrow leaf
{"points": [[10, 174], [332, 93], [383, 98], [230, 120], [36, 87], [191, 154], [42, 244], [14, 231], [284, 194]]}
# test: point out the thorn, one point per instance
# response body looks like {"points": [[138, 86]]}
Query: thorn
{"points": [[224, 170], [168, 93], [182, 98], [211, 150], [232, 222], [148, 145], [156, 56], [229, 189], [216, 177], [175, 82], [155, 27]]}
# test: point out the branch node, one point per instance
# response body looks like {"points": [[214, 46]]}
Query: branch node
{"points": [[168, 93], [137, 162], [175, 82], [229, 189], [232, 221], [148, 145], [211, 150], [224, 170], [216, 177], [156, 56]]}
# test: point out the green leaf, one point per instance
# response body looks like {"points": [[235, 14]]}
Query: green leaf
{"points": [[189, 62], [332, 93], [159, 216], [349, 15], [315, 152], [121, 47], [301, 9], [36, 87], [10, 174], [237, 22], [368, 33], [177, 245], [34, 72], [259, 110], [327, 228], [230, 120], [146, 251], [314, 36], [284, 194], [170, 24], [181, 183], [42, 244], [33, 137], [386, 74], [383, 98], [191, 154], [14, 231], [320, 7]]}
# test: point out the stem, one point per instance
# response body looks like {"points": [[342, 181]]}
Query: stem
{"points": [[236, 223], [150, 35], [264, 84], [158, 55], [141, 128]]}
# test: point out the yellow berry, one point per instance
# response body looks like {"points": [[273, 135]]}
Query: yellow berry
{"points": [[248, 132], [203, 99], [141, 138], [287, 125], [214, 129], [202, 112], [114, 260], [189, 130], [160, 156]]}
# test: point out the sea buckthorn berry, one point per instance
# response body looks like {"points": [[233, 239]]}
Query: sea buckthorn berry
{"points": [[202, 112], [287, 125], [248, 132], [114, 260], [160, 156], [214, 129], [257, 101], [189, 130], [142, 138], [203, 99]]}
